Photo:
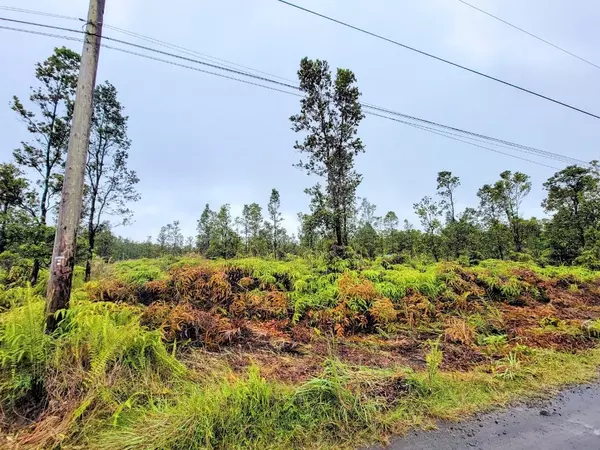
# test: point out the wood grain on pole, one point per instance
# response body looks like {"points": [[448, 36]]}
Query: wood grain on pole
{"points": [[63, 255]]}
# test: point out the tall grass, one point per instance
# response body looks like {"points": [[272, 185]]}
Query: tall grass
{"points": [[247, 412]]}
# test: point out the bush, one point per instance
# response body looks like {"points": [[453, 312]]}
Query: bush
{"points": [[589, 259], [94, 361]]}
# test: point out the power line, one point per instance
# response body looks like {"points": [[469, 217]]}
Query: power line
{"points": [[40, 33], [143, 47], [192, 52], [446, 135], [71, 38], [460, 66], [39, 13], [542, 153], [148, 39], [296, 94], [531, 34], [469, 135]]}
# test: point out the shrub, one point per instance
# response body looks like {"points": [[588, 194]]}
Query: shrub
{"points": [[383, 311]]}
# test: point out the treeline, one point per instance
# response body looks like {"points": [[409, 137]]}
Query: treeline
{"points": [[495, 228], [338, 224]]}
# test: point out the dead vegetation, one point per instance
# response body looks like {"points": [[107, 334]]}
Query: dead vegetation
{"points": [[372, 317]]}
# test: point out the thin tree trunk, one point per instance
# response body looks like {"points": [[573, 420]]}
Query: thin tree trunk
{"points": [[35, 271], [91, 236], [3, 228], [90, 254]]}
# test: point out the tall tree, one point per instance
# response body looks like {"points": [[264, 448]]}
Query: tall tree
{"points": [[205, 229], [330, 115], [315, 226], [111, 185], [223, 241], [390, 227], [175, 237], [572, 195], [49, 126], [367, 215], [275, 216], [429, 213], [170, 238], [446, 185], [251, 223], [490, 211], [510, 191], [162, 238]]}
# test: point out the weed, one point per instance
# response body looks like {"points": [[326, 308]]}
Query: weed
{"points": [[434, 359], [509, 368]]}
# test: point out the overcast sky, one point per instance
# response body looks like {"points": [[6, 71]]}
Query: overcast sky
{"points": [[198, 138]]}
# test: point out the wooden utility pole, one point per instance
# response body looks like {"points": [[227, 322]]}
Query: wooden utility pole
{"points": [[63, 255]]}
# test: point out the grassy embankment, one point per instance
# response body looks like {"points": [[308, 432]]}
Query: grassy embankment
{"points": [[183, 354]]}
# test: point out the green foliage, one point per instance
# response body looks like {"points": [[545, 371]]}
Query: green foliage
{"points": [[140, 271], [433, 359], [25, 349], [329, 117], [86, 367]]}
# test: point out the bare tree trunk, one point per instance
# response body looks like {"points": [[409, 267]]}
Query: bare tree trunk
{"points": [[90, 255], [3, 228]]}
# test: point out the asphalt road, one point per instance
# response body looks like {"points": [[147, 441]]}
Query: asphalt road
{"points": [[570, 421]]}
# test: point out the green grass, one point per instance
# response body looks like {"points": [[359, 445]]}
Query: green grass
{"points": [[326, 412]]}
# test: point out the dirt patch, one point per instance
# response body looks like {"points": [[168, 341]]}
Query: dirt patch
{"points": [[460, 357], [557, 340]]}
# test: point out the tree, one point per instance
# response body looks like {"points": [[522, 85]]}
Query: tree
{"points": [[205, 230], [490, 212], [275, 216], [464, 234], [446, 185], [509, 192], [315, 227], [170, 238], [412, 237], [390, 227], [162, 238], [224, 241], [189, 244], [175, 237], [367, 215], [111, 185], [49, 127], [366, 240], [251, 222], [572, 195], [429, 213], [13, 193], [330, 115]]}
